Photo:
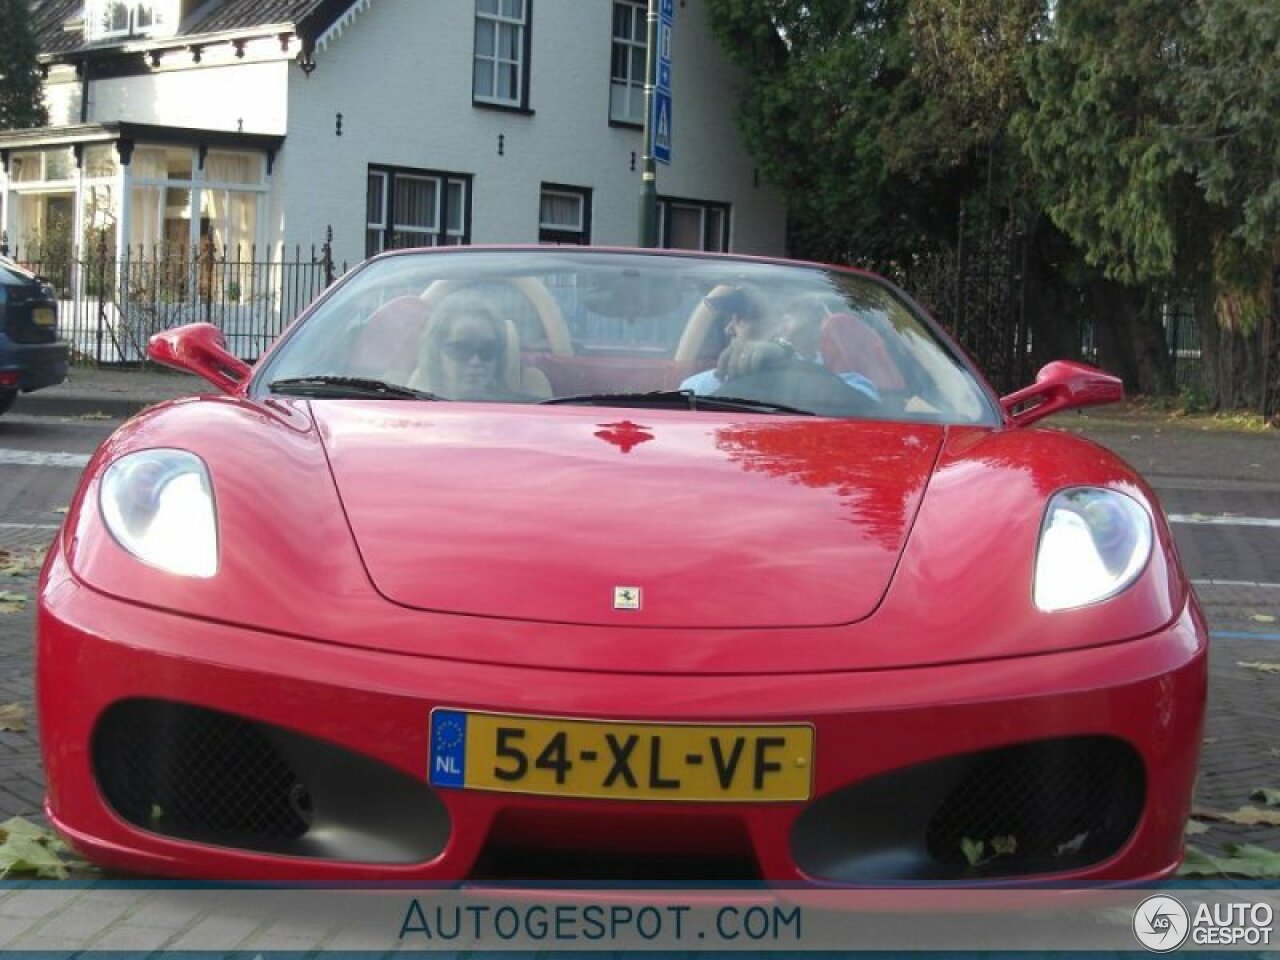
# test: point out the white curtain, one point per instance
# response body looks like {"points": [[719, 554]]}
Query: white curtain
{"points": [[233, 168], [150, 163], [144, 219]]}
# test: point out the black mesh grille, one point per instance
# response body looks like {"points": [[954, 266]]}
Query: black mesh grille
{"points": [[1058, 803], [190, 772]]}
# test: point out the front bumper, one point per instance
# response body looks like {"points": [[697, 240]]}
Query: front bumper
{"points": [[354, 723], [37, 365]]}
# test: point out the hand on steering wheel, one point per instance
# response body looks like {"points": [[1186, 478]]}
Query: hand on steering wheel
{"points": [[746, 357]]}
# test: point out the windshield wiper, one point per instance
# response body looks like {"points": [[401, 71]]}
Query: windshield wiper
{"points": [[676, 399], [680, 399], [348, 387], [748, 405]]}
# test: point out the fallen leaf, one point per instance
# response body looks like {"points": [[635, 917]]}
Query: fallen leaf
{"points": [[1239, 860], [1260, 667], [26, 847], [13, 717], [1193, 827], [1264, 618], [1071, 846], [1268, 795], [1197, 863], [21, 564], [1004, 846], [1209, 740], [12, 602], [972, 850], [1246, 816]]}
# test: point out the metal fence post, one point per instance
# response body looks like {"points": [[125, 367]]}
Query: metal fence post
{"points": [[326, 253]]}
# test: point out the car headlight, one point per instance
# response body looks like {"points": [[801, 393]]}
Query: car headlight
{"points": [[158, 504], [1093, 544]]}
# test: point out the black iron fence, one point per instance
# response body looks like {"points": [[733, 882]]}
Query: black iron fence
{"points": [[110, 305]]}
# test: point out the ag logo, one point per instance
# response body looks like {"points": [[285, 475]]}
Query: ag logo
{"points": [[1161, 924]]}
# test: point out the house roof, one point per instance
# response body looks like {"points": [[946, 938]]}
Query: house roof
{"points": [[307, 18]]}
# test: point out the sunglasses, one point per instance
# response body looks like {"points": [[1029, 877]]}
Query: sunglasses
{"points": [[461, 351]]}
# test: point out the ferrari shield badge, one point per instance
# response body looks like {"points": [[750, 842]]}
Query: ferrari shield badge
{"points": [[626, 598]]}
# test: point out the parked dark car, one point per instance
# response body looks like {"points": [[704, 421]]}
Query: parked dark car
{"points": [[31, 355]]}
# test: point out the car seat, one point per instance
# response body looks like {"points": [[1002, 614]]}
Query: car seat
{"points": [[851, 345]]}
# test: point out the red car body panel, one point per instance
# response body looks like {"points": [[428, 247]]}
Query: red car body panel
{"points": [[985, 569], [1150, 691], [840, 495]]}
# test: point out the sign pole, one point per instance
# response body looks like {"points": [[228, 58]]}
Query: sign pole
{"points": [[649, 170]]}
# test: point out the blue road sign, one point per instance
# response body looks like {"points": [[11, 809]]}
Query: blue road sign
{"points": [[662, 126], [661, 118]]}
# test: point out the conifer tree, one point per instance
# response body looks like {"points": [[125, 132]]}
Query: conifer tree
{"points": [[21, 102]]}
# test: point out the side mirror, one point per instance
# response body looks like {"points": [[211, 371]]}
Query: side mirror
{"points": [[199, 348], [1061, 385]]}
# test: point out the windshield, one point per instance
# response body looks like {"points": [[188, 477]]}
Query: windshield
{"points": [[621, 329]]}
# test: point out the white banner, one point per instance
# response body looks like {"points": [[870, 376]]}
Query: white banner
{"points": [[116, 916]]}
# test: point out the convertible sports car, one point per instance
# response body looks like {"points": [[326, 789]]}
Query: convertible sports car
{"points": [[551, 564]]}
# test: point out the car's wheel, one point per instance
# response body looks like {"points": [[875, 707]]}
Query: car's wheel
{"points": [[6, 399]]}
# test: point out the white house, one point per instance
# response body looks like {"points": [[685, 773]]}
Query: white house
{"points": [[258, 125]]}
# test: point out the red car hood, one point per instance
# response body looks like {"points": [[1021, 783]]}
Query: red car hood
{"points": [[554, 514]]}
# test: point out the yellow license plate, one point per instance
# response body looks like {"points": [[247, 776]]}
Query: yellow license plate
{"points": [[43, 316], [623, 761]]}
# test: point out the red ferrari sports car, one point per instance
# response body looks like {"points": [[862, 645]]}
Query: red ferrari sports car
{"points": [[564, 565]]}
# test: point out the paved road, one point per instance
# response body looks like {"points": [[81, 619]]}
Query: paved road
{"points": [[1222, 489]]}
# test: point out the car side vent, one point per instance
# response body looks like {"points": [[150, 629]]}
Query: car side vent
{"points": [[1052, 804], [1041, 807], [198, 774], [182, 770]]}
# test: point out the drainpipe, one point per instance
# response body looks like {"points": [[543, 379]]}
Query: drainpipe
{"points": [[84, 90]]}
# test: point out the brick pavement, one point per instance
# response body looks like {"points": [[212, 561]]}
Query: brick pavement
{"points": [[1241, 750]]}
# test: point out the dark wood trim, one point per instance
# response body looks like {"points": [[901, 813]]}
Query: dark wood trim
{"points": [[551, 235], [502, 108], [126, 135], [526, 64], [725, 208], [444, 176]]}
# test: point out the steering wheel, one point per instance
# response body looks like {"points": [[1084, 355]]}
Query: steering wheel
{"points": [[544, 305], [805, 386]]}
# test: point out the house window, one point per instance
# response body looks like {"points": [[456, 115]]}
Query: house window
{"points": [[181, 211], [416, 208], [564, 214], [693, 225], [110, 19], [500, 72], [626, 82]]}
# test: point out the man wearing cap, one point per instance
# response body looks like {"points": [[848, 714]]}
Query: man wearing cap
{"points": [[743, 322]]}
